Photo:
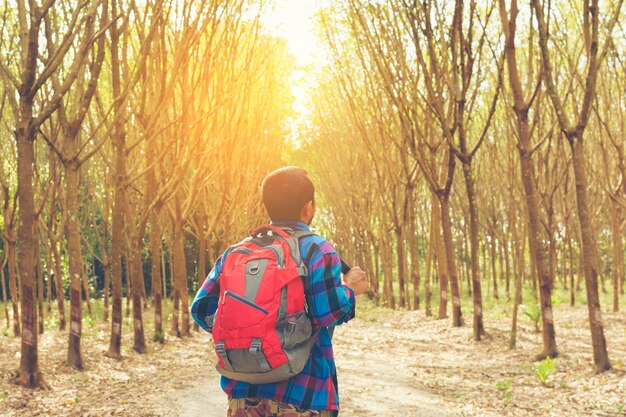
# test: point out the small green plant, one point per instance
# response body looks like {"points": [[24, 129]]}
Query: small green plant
{"points": [[620, 408], [504, 385], [545, 369], [90, 322], [556, 300], [158, 337], [534, 314], [457, 395], [5, 331]]}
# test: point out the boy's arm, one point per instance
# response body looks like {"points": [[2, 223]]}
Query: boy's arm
{"points": [[330, 302], [205, 303]]}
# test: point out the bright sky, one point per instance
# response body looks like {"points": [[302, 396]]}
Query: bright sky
{"points": [[294, 20]]}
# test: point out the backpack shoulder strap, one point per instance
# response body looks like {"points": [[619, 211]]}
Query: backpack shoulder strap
{"points": [[299, 234]]}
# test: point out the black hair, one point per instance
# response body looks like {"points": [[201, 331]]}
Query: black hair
{"points": [[285, 192]]}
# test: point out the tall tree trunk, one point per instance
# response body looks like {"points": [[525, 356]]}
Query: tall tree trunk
{"points": [[29, 374], [600, 355], [13, 288], [400, 254], [117, 232], [85, 283], [476, 287], [106, 266], [493, 267], [139, 344], [446, 224], [538, 250], [38, 262], [507, 265], [72, 231], [413, 248], [442, 267], [49, 273], [617, 270], [572, 285], [3, 286], [202, 264], [156, 253], [388, 296], [58, 280]]}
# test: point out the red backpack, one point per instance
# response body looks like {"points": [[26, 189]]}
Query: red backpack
{"points": [[261, 329]]}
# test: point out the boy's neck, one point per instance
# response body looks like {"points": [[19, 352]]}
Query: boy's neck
{"points": [[299, 223]]}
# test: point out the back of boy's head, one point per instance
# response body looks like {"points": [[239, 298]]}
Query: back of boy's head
{"points": [[285, 192]]}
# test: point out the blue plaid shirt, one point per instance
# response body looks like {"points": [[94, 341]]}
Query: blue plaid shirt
{"points": [[330, 304]]}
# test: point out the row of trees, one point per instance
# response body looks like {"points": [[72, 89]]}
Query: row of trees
{"points": [[525, 101], [123, 120]]}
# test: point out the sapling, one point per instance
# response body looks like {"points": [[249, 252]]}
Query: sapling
{"points": [[534, 313], [545, 369]]}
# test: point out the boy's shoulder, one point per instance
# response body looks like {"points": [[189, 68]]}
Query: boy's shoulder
{"points": [[310, 244]]}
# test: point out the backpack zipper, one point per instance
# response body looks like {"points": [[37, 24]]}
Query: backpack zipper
{"points": [[243, 300]]}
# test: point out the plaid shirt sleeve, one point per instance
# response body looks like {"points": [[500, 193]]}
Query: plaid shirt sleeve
{"points": [[205, 303], [331, 303]]}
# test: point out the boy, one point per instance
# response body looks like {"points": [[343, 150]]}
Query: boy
{"points": [[289, 198]]}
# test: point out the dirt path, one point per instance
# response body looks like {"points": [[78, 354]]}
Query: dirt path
{"points": [[370, 384], [391, 364]]}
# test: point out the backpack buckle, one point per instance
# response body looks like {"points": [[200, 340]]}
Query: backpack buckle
{"points": [[255, 346]]}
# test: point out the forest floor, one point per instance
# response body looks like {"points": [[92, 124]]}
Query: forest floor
{"points": [[391, 363]]}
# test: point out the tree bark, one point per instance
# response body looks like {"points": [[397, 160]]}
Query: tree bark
{"points": [[29, 374], [13, 288], [156, 253], [600, 354], [38, 262], [476, 287], [72, 181], [536, 241], [446, 224]]}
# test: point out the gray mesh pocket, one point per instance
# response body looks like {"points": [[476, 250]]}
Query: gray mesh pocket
{"points": [[297, 330]]}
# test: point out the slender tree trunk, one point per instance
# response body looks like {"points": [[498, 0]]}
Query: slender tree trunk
{"points": [[13, 288], [117, 232], [49, 273], [572, 285], [476, 287], [128, 274], [202, 265], [507, 265], [493, 267], [29, 374], [72, 230], [139, 344], [517, 301], [388, 296], [446, 224], [106, 266], [5, 300], [600, 355], [156, 253], [85, 283], [38, 262], [414, 250], [58, 280], [429, 261], [617, 270], [401, 253], [441, 260], [536, 241]]}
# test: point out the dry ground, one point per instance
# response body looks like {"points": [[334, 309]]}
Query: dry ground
{"points": [[393, 364]]}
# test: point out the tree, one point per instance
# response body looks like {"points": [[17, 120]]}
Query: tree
{"points": [[573, 131]]}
